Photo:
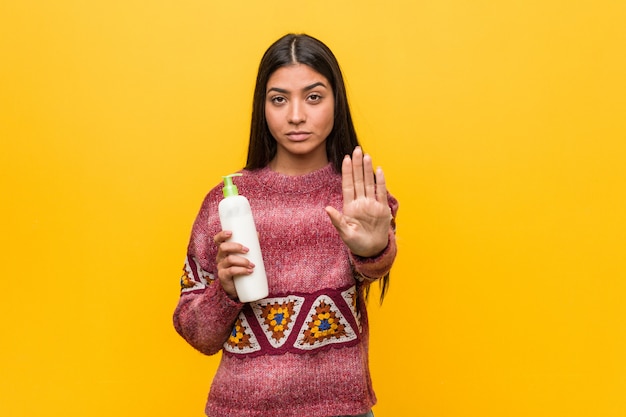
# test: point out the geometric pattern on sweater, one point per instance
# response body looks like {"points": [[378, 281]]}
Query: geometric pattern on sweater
{"points": [[241, 339], [277, 317], [325, 325], [297, 323], [194, 278]]}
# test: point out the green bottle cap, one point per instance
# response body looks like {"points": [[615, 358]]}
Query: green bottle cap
{"points": [[230, 189]]}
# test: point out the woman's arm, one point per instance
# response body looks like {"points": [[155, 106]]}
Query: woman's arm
{"points": [[205, 314]]}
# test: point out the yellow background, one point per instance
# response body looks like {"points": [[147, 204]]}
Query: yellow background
{"points": [[500, 126]]}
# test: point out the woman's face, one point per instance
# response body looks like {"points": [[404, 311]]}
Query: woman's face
{"points": [[299, 110]]}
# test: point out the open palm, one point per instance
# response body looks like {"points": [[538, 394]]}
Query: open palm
{"points": [[364, 223]]}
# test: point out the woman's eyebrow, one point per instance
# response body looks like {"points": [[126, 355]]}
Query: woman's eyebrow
{"points": [[307, 88], [312, 86], [278, 90]]}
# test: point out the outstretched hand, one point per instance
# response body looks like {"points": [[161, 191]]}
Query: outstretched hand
{"points": [[364, 223]]}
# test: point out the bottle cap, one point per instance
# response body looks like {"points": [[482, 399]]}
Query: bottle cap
{"points": [[230, 189]]}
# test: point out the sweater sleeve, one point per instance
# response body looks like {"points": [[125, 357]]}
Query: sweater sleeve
{"points": [[378, 266], [205, 320], [205, 315]]}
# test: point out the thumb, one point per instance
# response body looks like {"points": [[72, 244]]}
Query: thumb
{"points": [[336, 218]]}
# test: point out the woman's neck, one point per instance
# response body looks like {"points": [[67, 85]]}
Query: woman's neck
{"points": [[296, 166]]}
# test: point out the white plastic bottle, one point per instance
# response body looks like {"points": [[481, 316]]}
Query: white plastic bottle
{"points": [[236, 216]]}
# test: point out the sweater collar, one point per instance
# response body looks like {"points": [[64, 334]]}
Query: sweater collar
{"points": [[295, 183]]}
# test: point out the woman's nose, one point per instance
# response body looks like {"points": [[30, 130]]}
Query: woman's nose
{"points": [[296, 114]]}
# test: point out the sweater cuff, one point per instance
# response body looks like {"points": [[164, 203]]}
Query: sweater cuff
{"points": [[376, 267], [224, 300]]}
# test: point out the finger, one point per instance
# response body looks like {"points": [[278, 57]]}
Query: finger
{"points": [[234, 265], [222, 236], [235, 271], [357, 172], [347, 182], [368, 177], [225, 249], [336, 218], [228, 248], [381, 187]]}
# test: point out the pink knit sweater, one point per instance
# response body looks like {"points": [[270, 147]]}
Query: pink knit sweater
{"points": [[303, 351]]}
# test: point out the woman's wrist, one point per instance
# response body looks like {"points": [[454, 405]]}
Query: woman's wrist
{"points": [[379, 264]]}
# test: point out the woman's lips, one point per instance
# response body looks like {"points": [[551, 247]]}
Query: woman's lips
{"points": [[298, 136]]}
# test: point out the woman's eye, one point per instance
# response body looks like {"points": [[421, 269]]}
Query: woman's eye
{"points": [[315, 97], [278, 100]]}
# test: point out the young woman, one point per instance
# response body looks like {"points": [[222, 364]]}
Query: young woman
{"points": [[326, 227]]}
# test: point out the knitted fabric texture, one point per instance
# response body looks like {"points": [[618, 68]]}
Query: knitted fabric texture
{"points": [[307, 264]]}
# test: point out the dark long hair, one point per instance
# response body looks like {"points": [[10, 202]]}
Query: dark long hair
{"points": [[303, 49], [300, 49]]}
